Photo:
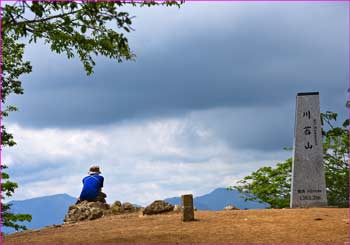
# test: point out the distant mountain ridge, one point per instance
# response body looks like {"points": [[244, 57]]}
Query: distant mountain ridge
{"points": [[220, 198], [46, 210]]}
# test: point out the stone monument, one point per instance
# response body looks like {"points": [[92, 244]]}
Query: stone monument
{"points": [[187, 208], [308, 179]]}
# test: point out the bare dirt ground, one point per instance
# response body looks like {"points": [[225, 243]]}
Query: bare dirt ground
{"points": [[314, 225]]}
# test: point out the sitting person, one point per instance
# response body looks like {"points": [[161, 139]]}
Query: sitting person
{"points": [[92, 189]]}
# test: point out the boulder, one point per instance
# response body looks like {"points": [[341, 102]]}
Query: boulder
{"points": [[158, 207], [128, 207], [116, 207], [231, 207], [85, 211], [116, 204]]}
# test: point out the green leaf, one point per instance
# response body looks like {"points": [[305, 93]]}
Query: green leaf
{"points": [[83, 29]]}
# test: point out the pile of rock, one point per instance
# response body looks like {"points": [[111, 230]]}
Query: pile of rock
{"points": [[158, 207], [118, 208], [231, 207], [85, 211], [94, 210]]}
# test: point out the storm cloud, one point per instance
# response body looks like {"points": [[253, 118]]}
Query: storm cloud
{"points": [[251, 56]]}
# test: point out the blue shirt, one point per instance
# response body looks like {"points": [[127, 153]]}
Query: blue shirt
{"points": [[91, 188]]}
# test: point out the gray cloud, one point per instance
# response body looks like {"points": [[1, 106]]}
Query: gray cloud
{"points": [[209, 99], [141, 162], [251, 59]]}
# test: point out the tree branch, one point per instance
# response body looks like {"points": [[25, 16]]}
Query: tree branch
{"points": [[45, 19]]}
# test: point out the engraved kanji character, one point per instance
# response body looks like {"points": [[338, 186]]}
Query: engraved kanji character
{"points": [[307, 114], [307, 130], [308, 146]]}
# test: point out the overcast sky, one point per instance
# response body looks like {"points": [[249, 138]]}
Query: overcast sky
{"points": [[209, 99]]}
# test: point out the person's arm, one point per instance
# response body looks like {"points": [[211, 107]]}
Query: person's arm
{"points": [[102, 179], [101, 183], [83, 184]]}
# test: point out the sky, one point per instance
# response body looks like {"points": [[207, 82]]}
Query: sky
{"points": [[209, 99]]}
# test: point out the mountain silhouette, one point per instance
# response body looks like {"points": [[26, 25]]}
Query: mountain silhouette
{"points": [[220, 198], [46, 210]]}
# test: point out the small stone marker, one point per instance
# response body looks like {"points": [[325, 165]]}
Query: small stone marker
{"points": [[308, 179], [187, 208]]}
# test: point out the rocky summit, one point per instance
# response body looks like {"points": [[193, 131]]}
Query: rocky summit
{"points": [[212, 227], [158, 207], [94, 210]]}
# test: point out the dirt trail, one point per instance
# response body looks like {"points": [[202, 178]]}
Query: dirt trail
{"points": [[316, 225]]}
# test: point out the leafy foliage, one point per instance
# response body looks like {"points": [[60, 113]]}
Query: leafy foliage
{"points": [[13, 67], [335, 159], [7, 218], [272, 185], [75, 28]]}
